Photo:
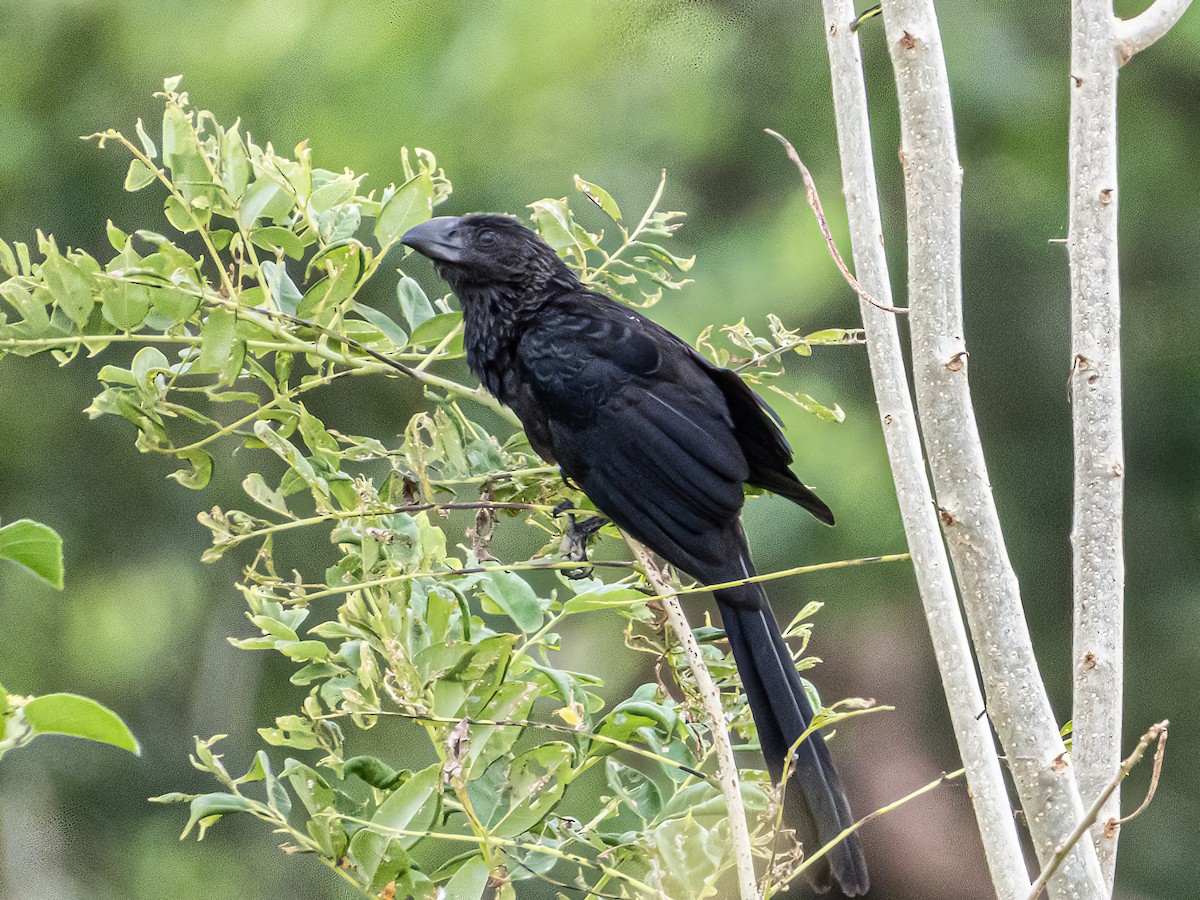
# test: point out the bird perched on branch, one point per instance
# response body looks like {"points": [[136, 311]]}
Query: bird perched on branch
{"points": [[662, 441]]}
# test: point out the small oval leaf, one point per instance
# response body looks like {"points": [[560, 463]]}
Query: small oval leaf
{"points": [[82, 717]]}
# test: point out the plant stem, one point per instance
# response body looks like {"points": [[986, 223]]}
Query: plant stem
{"points": [[710, 695]]}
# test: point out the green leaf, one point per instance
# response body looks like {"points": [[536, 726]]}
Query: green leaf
{"points": [[380, 320], [470, 881], [8, 262], [256, 486], [263, 199], [512, 595], [662, 254], [198, 474], [117, 238], [175, 305], [275, 238], [595, 594], [31, 306], [414, 305], [125, 304], [218, 339], [536, 781], [689, 857], [828, 336], [373, 771], [183, 154], [410, 205], [342, 265], [35, 546], [184, 218], [431, 331], [284, 292], [600, 197], [309, 786], [147, 143], [636, 788], [334, 193], [413, 806], [147, 364], [630, 716], [235, 164], [82, 717], [555, 224], [213, 806], [138, 176], [809, 405], [72, 289], [302, 651]]}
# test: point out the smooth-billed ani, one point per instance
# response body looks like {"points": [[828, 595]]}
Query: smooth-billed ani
{"points": [[661, 440]]}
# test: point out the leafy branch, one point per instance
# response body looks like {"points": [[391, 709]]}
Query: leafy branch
{"points": [[215, 337]]}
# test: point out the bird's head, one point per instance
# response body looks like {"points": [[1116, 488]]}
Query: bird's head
{"points": [[484, 250]]}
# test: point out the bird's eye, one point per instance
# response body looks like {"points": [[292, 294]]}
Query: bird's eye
{"points": [[487, 238]]}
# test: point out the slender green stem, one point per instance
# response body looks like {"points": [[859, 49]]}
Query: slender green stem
{"points": [[252, 416], [437, 351], [509, 843], [161, 175], [534, 638], [386, 511], [544, 726], [630, 237], [471, 570]]}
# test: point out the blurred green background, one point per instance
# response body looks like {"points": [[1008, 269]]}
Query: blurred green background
{"points": [[515, 96]]}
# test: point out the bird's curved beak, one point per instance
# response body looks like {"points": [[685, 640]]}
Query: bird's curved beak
{"points": [[437, 239]]}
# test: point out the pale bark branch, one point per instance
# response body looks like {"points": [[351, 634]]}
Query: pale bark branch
{"points": [[1097, 536], [1136, 34], [993, 812], [1016, 695], [710, 694]]}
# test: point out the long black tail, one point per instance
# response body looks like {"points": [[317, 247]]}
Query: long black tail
{"points": [[815, 804]]}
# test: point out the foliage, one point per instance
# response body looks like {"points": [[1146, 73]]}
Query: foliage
{"points": [[254, 304], [35, 547], [38, 549]]}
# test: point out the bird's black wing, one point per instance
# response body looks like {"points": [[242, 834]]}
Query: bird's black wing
{"points": [[766, 449], [641, 427]]}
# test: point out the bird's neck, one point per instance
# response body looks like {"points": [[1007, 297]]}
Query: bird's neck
{"points": [[495, 318]]}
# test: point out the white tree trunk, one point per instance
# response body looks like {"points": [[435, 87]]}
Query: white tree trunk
{"points": [[1016, 696], [1100, 45], [993, 812], [1096, 535]]}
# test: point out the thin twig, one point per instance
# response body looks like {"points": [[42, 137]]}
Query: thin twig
{"points": [[895, 804], [1156, 733], [507, 843], [1159, 753], [537, 564], [814, 201], [727, 772], [530, 723]]}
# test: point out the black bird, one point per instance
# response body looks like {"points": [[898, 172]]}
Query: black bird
{"points": [[661, 440]]}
